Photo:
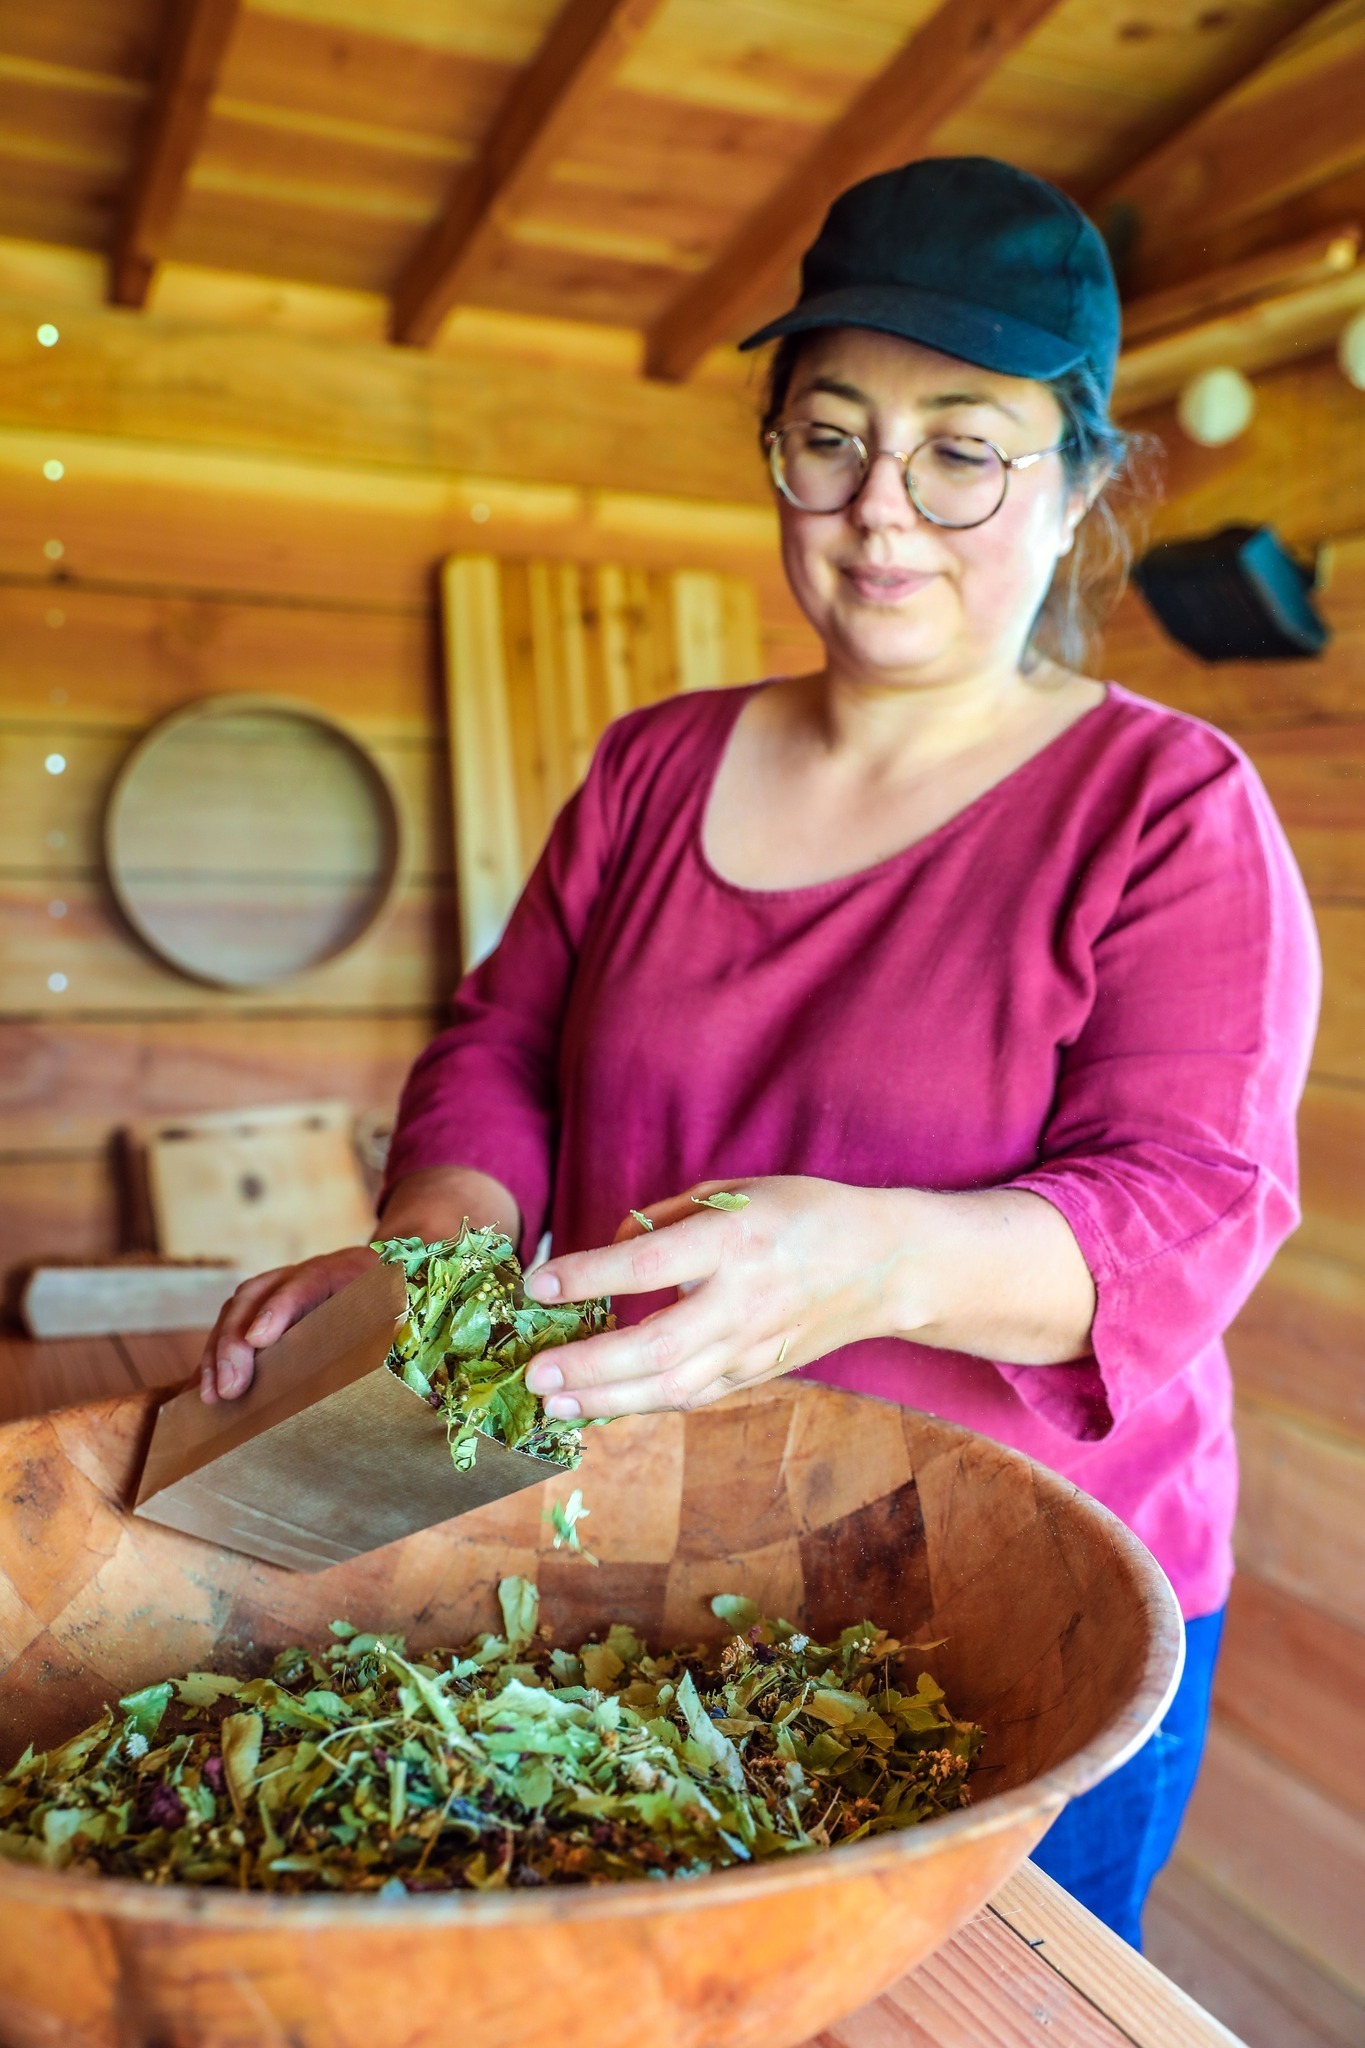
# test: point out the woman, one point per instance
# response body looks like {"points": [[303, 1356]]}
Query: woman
{"points": [[990, 985]]}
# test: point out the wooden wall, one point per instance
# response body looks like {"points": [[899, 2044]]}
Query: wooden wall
{"points": [[1271, 1867], [265, 509]]}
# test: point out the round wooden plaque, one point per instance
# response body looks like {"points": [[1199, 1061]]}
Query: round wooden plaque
{"points": [[248, 839]]}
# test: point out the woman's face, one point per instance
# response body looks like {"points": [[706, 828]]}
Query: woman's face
{"points": [[893, 597]]}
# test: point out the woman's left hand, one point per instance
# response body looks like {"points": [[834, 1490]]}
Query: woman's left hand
{"points": [[803, 1267]]}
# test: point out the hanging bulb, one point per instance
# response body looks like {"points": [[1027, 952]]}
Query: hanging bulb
{"points": [[1351, 352], [1216, 406]]}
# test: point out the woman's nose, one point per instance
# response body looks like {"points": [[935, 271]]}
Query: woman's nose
{"points": [[883, 502]]}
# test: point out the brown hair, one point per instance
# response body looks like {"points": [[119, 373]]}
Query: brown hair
{"points": [[1097, 455]]}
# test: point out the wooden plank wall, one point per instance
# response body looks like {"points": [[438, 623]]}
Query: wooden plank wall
{"points": [[1270, 1872], [264, 511]]}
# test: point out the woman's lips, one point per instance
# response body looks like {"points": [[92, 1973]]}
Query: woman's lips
{"points": [[886, 586]]}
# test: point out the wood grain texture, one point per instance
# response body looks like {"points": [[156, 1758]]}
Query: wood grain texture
{"points": [[490, 412], [1282, 327], [1236, 1967], [1281, 1850], [1298, 1342], [1290, 125], [541, 656], [550, 98], [1298, 1519], [1253, 698], [406, 963], [62, 1205], [119, 659], [1290, 468], [1332, 1170], [194, 521], [1115, 1979], [63, 1082], [197, 35], [55, 823], [893, 118], [1314, 259], [1291, 1679], [68, 1372], [761, 1957]]}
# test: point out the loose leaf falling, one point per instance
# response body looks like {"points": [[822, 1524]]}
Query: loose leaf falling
{"points": [[564, 1517], [726, 1199], [355, 1767], [468, 1336]]}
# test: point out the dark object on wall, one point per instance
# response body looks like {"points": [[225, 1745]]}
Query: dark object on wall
{"points": [[1235, 595]]}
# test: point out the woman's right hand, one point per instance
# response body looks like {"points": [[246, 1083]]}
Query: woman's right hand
{"points": [[430, 1203], [263, 1308]]}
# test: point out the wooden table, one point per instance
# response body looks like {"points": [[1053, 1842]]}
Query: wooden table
{"points": [[1032, 1970]]}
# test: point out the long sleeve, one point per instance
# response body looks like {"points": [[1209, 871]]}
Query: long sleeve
{"points": [[1171, 1146], [484, 1092]]}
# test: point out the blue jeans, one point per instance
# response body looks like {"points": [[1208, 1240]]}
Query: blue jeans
{"points": [[1109, 1844]]}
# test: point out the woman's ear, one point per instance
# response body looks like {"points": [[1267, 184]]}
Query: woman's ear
{"points": [[1079, 501]]}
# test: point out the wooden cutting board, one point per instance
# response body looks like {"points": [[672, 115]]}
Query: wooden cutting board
{"points": [[258, 1187]]}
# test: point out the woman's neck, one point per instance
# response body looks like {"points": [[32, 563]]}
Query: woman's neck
{"points": [[888, 726]]}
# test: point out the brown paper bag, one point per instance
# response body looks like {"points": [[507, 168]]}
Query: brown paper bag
{"points": [[328, 1454]]}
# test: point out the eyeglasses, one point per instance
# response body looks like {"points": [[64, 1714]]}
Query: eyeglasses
{"points": [[951, 480]]}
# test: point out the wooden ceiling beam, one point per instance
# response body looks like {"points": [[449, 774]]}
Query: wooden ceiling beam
{"points": [[1288, 125], [1270, 275], [1281, 306], [585, 46], [197, 42], [893, 118]]}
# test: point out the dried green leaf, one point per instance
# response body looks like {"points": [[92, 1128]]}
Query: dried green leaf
{"points": [[520, 1603], [645, 1222], [241, 1736], [144, 1711], [358, 1767], [468, 1335]]}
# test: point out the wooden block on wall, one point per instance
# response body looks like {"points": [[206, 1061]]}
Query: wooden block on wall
{"points": [[262, 1187]]}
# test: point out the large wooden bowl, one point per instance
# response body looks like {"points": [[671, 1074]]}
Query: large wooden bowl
{"points": [[1062, 1636]]}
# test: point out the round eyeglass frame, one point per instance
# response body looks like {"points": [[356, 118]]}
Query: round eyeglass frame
{"points": [[772, 441]]}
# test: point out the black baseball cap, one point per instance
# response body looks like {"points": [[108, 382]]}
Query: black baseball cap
{"points": [[970, 256]]}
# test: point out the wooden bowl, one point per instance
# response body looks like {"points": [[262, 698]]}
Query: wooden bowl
{"points": [[1063, 1637]]}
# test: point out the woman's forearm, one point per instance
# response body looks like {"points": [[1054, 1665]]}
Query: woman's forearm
{"points": [[433, 1203], [997, 1274]]}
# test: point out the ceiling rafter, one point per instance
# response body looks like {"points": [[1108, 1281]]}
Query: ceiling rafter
{"points": [[1288, 124], [199, 33], [893, 118], [585, 46]]}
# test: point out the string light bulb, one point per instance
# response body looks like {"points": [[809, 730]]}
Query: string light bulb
{"points": [[1216, 406]]}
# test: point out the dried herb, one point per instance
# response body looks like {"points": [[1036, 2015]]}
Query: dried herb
{"points": [[468, 1337], [564, 1517], [509, 1762], [727, 1198]]}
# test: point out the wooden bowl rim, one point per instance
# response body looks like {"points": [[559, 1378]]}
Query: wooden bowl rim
{"points": [[1042, 1798], [223, 704]]}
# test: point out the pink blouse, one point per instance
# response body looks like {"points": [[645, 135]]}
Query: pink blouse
{"points": [[1099, 982]]}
